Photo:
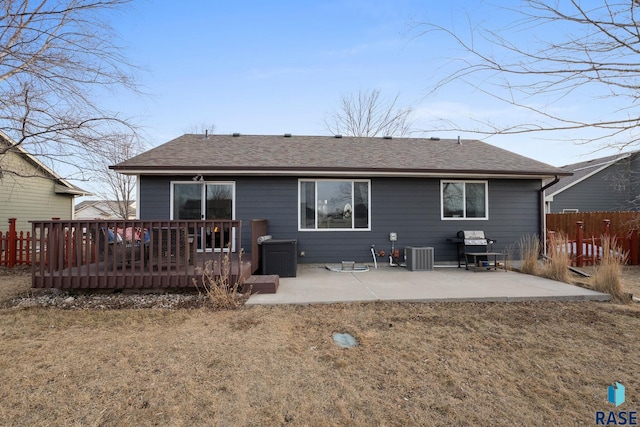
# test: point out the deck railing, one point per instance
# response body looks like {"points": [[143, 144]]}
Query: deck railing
{"points": [[118, 254]]}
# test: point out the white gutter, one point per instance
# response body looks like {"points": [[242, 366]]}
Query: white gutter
{"points": [[369, 174]]}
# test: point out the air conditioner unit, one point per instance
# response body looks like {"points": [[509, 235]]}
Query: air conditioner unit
{"points": [[418, 259]]}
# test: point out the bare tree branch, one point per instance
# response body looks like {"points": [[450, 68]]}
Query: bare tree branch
{"points": [[57, 59], [200, 128], [573, 48], [113, 185], [367, 114]]}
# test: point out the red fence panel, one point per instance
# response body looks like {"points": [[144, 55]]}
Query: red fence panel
{"points": [[586, 248], [15, 248]]}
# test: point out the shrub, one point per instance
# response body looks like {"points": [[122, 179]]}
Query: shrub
{"points": [[219, 290], [607, 276]]}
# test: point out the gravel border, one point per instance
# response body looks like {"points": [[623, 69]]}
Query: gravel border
{"points": [[107, 301]]}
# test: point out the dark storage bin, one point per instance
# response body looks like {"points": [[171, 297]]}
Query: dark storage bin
{"points": [[280, 257]]}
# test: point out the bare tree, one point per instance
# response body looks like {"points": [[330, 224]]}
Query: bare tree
{"points": [[201, 128], [548, 51], [110, 185], [367, 114], [57, 60]]}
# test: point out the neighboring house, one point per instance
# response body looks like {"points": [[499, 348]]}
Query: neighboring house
{"points": [[337, 196], [102, 209], [609, 183], [29, 190]]}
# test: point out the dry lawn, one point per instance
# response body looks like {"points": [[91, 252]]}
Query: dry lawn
{"points": [[545, 363], [630, 278]]}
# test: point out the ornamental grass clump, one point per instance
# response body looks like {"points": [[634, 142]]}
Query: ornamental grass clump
{"points": [[607, 275], [558, 260], [529, 252], [220, 290]]}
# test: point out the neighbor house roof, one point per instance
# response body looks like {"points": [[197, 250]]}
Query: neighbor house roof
{"points": [[328, 155], [62, 186], [105, 208], [583, 170]]}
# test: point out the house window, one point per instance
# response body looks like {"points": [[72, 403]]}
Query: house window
{"points": [[334, 204], [464, 199]]}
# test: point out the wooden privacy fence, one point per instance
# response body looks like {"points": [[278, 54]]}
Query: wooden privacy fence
{"points": [[620, 223], [15, 247], [586, 249]]}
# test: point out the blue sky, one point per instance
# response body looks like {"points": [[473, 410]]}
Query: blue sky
{"points": [[277, 67]]}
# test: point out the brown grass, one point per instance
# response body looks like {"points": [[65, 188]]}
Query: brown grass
{"points": [[556, 266], [220, 291], [546, 363], [14, 282], [529, 253], [607, 275]]}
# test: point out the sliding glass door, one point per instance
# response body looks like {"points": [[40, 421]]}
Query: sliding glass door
{"points": [[206, 200]]}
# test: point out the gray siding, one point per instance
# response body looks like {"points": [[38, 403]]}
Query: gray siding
{"points": [[612, 189], [407, 206]]}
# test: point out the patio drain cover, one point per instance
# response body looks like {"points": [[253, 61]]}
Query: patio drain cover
{"points": [[344, 340]]}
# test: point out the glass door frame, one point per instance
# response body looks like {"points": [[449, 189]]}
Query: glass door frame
{"points": [[203, 210]]}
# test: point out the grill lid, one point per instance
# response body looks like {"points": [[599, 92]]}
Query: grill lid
{"points": [[473, 237], [477, 234]]}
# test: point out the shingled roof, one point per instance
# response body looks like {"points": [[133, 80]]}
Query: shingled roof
{"points": [[300, 155]]}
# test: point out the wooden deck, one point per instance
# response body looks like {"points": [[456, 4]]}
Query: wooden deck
{"points": [[73, 255], [99, 275]]}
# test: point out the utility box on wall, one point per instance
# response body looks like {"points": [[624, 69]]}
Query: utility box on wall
{"points": [[419, 259], [280, 257]]}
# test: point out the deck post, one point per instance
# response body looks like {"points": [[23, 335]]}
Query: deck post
{"points": [[12, 243], [606, 226], [579, 240], [634, 248]]}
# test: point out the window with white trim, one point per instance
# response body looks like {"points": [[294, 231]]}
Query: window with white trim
{"points": [[464, 199], [328, 204]]}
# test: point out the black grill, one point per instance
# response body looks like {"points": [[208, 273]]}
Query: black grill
{"points": [[471, 241]]}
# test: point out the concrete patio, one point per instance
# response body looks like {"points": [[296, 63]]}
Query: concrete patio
{"points": [[317, 285]]}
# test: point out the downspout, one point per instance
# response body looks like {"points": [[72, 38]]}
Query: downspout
{"points": [[543, 214]]}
